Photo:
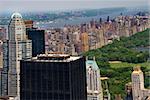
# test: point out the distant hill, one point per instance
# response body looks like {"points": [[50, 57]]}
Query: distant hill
{"points": [[102, 11]]}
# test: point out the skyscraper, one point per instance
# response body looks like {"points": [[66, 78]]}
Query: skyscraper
{"points": [[138, 90], [38, 41], [53, 77], [100, 38], [84, 42], [94, 88], [16, 48]]}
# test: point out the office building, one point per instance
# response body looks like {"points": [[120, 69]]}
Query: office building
{"points": [[16, 48], [38, 41], [94, 88], [138, 90], [53, 77]]}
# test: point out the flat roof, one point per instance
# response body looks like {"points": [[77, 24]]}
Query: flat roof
{"points": [[53, 55], [104, 78], [92, 63], [67, 58]]}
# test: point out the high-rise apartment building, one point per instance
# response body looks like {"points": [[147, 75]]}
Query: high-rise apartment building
{"points": [[16, 48], [53, 77], [38, 41], [94, 88], [84, 42], [101, 40], [138, 90]]}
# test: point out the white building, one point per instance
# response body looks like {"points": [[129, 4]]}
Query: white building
{"points": [[138, 90], [16, 48], [94, 88]]}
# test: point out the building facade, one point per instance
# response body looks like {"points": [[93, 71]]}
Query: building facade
{"points": [[0, 80], [53, 77], [16, 48], [138, 90], [1, 59], [94, 88]]}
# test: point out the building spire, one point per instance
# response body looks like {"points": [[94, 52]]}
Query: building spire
{"points": [[16, 15]]}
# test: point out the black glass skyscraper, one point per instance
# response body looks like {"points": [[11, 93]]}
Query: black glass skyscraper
{"points": [[53, 77], [38, 41]]}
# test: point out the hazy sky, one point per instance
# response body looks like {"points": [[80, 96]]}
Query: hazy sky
{"points": [[51, 5]]}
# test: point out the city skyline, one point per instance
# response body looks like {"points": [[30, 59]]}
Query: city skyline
{"points": [[74, 50], [61, 5]]}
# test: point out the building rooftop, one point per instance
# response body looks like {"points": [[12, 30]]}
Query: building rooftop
{"points": [[137, 69], [16, 15], [92, 63], [104, 78], [28, 21], [54, 58]]}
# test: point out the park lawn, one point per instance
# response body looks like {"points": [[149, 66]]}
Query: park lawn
{"points": [[125, 64]]}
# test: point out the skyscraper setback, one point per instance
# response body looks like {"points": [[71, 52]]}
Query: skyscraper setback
{"points": [[16, 48]]}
